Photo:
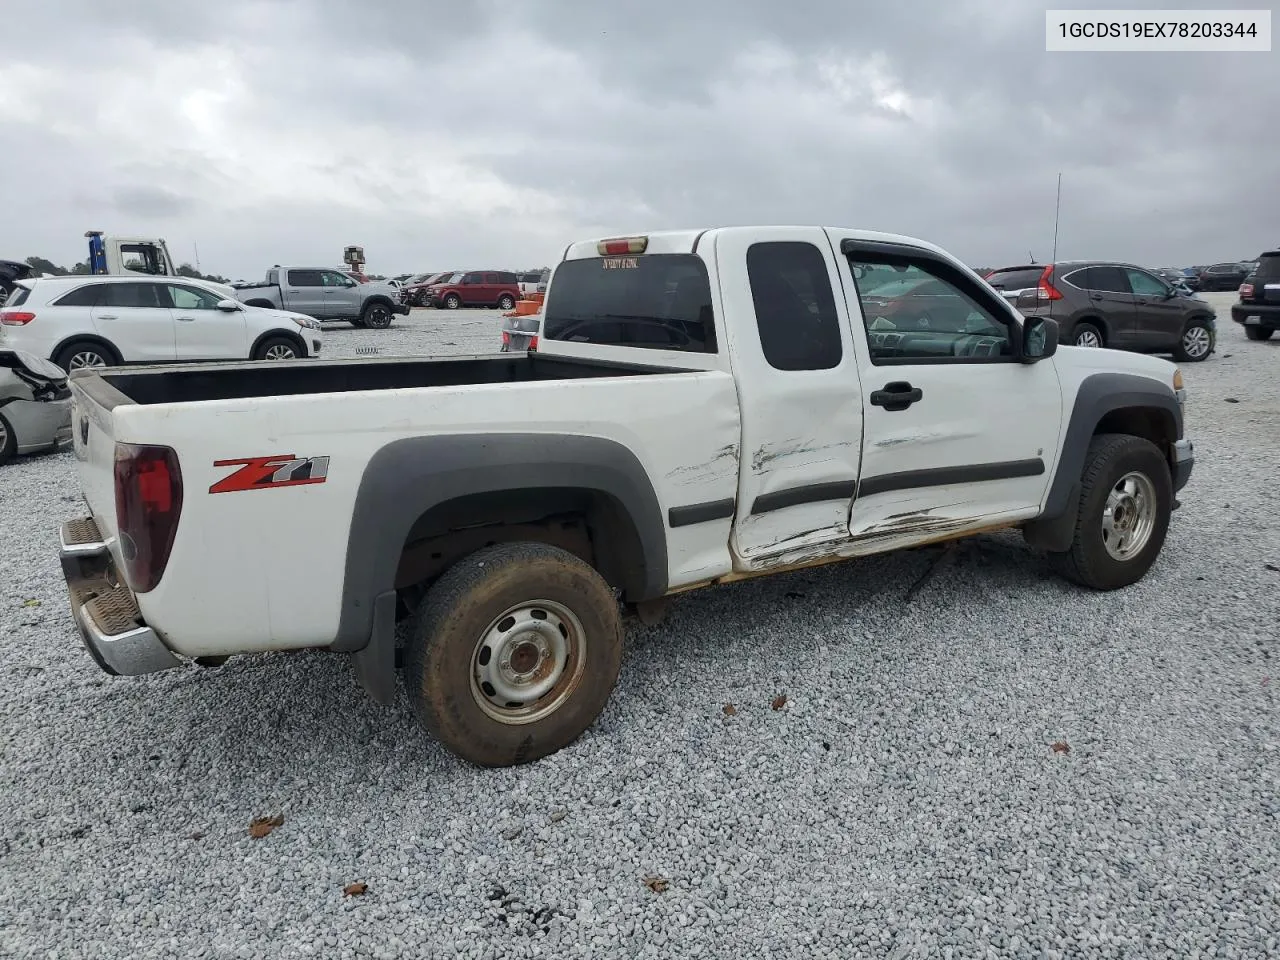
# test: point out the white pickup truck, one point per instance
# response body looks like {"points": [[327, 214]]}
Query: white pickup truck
{"points": [[702, 407]]}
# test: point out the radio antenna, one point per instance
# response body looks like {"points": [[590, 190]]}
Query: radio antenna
{"points": [[1057, 207]]}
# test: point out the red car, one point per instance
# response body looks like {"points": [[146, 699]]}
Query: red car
{"points": [[475, 288], [414, 292]]}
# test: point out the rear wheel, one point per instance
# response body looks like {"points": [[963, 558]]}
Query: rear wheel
{"points": [[377, 316], [1087, 335], [276, 348], [1258, 333], [506, 301], [85, 355], [8, 441], [1125, 502], [1196, 343], [513, 653]]}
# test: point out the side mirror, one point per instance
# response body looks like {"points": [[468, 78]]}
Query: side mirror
{"points": [[1039, 339], [229, 306]]}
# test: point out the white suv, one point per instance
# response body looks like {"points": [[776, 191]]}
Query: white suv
{"points": [[95, 321]]}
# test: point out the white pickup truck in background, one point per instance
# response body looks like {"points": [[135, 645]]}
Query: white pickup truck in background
{"points": [[702, 407]]}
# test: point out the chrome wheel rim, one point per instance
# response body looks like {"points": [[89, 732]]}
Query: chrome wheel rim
{"points": [[1087, 338], [1129, 516], [1195, 342], [506, 303], [452, 303], [527, 662], [85, 359], [4, 435], [280, 351]]}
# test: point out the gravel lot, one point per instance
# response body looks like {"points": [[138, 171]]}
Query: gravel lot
{"points": [[905, 802]]}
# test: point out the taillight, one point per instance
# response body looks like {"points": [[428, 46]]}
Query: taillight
{"points": [[148, 504], [533, 343], [1046, 289], [16, 318], [1246, 291], [506, 338]]}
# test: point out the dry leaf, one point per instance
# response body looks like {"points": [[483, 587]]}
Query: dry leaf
{"points": [[779, 701], [730, 710], [31, 603], [657, 884], [261, 826], [356, 889], [1061, 747]]}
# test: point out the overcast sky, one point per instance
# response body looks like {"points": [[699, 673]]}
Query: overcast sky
{"points": [[473, 134]]}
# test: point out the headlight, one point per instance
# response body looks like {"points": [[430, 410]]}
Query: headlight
{"points": [[306, 323], [1178, 389]]}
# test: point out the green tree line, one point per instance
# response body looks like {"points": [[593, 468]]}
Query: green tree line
{"points": [[49, 268]]}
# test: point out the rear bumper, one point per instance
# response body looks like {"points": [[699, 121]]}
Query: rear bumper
{"points": [[1184, 458], [39, 424], [105, 609], [1268, 315]]}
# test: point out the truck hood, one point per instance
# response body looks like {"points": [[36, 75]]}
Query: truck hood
{"points": [[1088, 360]]}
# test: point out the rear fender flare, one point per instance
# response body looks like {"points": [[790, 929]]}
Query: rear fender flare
{"points": [[409, 477]]}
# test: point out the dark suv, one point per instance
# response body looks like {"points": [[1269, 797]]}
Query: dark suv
{"points": [[1223, 276], [1106, 304], [1259, 307]]}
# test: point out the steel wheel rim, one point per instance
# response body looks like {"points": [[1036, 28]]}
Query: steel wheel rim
{"points": [[86, 359], [1129, 516], [1087, 338], [528, 662], [1196, 342], [280, 351]]}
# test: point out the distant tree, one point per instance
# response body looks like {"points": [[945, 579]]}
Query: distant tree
{"points": [[187, 270], [48, 267]]}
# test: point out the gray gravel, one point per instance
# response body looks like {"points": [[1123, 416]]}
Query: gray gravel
{"points": [[905, 802]]}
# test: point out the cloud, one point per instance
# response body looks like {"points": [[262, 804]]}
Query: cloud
{"points": [[485, 133]]}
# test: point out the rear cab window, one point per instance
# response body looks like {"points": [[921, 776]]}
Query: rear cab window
{"points": [[656, 301]]}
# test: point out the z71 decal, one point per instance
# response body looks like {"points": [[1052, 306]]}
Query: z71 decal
{"points": [[268, 473]]}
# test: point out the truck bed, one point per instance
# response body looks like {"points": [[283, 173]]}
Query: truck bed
{"points": [[177, 383]]}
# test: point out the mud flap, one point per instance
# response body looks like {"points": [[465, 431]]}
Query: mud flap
{"points": [[375, 663], [1054, 534]]}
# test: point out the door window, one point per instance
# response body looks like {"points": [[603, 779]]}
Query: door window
{"points": [[472, 278], [920, 311], [305, 278], [1145, 285], [795, 309], [137, 295], [87, 296], [491, 278], [193, 298], [332, 278], [1108, 280]]}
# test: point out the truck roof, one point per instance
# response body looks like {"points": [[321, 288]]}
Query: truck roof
{"points": [[687, 241]]}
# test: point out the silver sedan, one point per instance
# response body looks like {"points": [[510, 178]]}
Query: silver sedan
{"points": [[35, 405]]}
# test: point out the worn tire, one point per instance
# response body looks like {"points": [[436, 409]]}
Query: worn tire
{"points": [[1180, 352], [464, 607], [506, 302], [8, 440], [1082, 332], [1111, 457], [376, 316], [1258, 333]]}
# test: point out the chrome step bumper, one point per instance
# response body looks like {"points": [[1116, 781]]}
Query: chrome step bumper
{"points": [[104, 607]]}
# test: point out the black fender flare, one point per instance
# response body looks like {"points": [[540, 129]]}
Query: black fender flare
{"points": [[1099, 394], [407, 478]]}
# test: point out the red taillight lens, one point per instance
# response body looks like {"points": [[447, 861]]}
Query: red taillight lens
{"points": [[148, 504], [533, 343], [1047, 290], [1246, 291], [16, 318]]}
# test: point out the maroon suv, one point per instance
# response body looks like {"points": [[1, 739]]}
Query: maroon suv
{"points": [[475, 288]]}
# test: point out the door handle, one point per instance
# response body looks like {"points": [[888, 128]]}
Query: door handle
{"points": [[107, 316], [896, 396], [186, 319]]}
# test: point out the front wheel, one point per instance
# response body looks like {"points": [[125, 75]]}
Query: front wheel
{"points": [[1258, 333], [377, 316], [1126, 500], [506, 302], [276, 348], [452, 302], [1196, 343], [513, 653]]}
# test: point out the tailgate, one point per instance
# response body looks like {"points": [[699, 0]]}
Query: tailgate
{"points": [[93, 436]]}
